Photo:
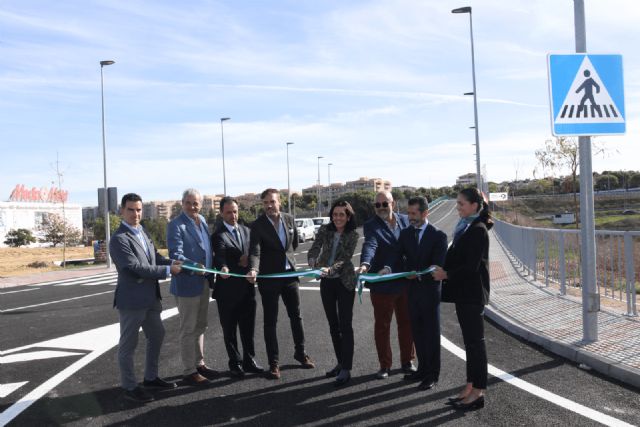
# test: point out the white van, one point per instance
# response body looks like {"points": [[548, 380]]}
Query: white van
{"points": [[306, 230], [319, 221]]}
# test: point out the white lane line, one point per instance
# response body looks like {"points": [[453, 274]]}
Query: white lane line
{"points": [[75, 279], [21, 290], [112, 280], [540, 392], [99, 340], [35, 355], [445, 216], [55, 302], [7, 389]]}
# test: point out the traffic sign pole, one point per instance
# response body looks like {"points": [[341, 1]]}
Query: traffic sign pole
{"points": [[590, 296]]}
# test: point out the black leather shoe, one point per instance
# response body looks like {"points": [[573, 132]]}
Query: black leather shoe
{"points": [[138, 395], [252, 367], [236, 370], [476, 404], [453, 400], [408, 368], [383, 373], [159, 383], [340, 381], [427, 384], [207, 372], [414, 376], [334, 372]]}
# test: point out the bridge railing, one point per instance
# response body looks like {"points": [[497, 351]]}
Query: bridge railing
{"points": [[552, 257]]}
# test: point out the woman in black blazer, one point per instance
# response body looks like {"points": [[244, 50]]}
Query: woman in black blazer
{"points": [[465, 277]]}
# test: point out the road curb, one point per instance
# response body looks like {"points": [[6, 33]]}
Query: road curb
{"points": [[604, 365]]}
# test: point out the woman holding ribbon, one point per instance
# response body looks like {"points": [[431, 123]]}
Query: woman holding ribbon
{"points": [[331, 252], [465, 277]]}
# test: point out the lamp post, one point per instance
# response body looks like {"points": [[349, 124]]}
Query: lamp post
{"points": [[105, 197], [329, 183], [288, 179], [318, 188], [479, 182], [224, 174]]}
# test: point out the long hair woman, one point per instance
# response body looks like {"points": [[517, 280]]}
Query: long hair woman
{"points": [[331, 252], [465, 277]]}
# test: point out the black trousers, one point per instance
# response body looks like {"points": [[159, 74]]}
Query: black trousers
{"points": [[271, 290], [471, 319], [338, 306], [424, 312], [238, 313]]}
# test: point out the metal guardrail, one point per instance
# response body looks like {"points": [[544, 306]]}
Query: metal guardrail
{"points": [[553, 256]]}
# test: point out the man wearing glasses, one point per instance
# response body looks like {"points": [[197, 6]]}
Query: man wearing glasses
{"points": [[381, 234]]}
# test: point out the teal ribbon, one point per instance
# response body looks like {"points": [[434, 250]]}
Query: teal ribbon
{"points": [[376, 278], [297, 273]]}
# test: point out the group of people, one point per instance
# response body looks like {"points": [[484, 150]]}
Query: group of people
{"points": [[245, 256]]}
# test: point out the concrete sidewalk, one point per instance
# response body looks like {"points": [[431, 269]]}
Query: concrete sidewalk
{"points": [[542, 316], [50, 276]]}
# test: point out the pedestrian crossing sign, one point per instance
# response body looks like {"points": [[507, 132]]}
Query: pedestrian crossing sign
{"points": [[587, 94]]}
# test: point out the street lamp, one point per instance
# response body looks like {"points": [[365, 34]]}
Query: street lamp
{"points": [[318, 195], [288, 179], [329, 183], [224, 174], [467, 9], [105, 198]]}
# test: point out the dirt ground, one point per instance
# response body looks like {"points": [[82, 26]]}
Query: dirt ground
{"points": [[15, 261]]}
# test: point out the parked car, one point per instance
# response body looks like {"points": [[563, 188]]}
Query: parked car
{"points": [[306, 229], [319, 221], [629, 212]]}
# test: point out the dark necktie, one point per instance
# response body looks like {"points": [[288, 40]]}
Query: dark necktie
{"points": [[237, 237], [417, 230]]}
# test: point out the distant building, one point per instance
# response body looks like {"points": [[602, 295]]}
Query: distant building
{"points": [[153, 209], [112, 199], [338, 189], [466, 180]]}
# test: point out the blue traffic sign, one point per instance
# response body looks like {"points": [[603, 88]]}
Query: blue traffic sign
{"points": [[587, 94]]}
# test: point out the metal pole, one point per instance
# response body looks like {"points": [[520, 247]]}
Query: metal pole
{"points": [[224, 173], [475, 106], [590, 297], [329, 182], [318, 189], [288, 180], [105, 198]]}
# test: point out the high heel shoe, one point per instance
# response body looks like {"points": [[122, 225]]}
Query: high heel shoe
{"points": [[453, 400], [476, 404]]}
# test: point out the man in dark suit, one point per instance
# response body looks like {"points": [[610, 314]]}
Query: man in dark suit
{"points": [[423, 245], [188, 241], [274, 237], [381, 234], [236, 297], [137, 298]]}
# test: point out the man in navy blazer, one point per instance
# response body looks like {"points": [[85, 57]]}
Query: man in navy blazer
{"points": [[423, 245], [236, 297], [188, 241], [137, 298], [381, 234]]}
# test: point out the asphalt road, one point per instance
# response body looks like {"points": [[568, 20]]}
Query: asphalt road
{"points": [[59, 367]]}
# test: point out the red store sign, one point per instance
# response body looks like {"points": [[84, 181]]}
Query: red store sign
{"points": [[51, 195]]}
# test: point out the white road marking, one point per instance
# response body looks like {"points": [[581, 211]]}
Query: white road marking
{"points": [[54, 302], [445, 216], [75, 279], [21, 290], [7, 389], [35, 355], [540, 392]]}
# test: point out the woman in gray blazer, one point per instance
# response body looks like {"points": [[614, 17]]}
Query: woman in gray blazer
{"points": [[331, 252]]}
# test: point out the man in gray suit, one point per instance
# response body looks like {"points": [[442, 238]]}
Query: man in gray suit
{"points": [[137, 298]]}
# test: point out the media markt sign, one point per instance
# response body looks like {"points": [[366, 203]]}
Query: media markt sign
{"points": [[587, 94]]}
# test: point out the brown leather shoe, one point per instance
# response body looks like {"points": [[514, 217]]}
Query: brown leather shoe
{"points": [[274, 371], [207, 372], [196, 380], [304, 360]]}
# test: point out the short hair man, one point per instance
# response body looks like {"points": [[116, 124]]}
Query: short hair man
{"points": [[137, 298], [421, 246], [274, 237], [235, 296], [188, 241], [381, 234]]}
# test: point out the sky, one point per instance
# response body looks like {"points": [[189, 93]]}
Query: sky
{"points": [[374, 87]]}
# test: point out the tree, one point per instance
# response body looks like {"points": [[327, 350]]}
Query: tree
{"points": [[634, 181], [98, 226], [606, 182], [56, 230], [176, 209], [19, 237]]}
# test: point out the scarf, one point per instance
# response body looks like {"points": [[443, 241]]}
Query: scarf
{"points": [[462, 226]]}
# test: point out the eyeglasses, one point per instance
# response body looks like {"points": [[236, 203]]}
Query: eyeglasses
{"points": [[381, 205]]}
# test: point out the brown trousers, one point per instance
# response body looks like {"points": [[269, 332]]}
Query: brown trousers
{"points": [[384, 305]]}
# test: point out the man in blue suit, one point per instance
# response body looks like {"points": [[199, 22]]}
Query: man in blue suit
{"points": [[421, 246], [137, 298], [381, 234], [188, 241]]}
